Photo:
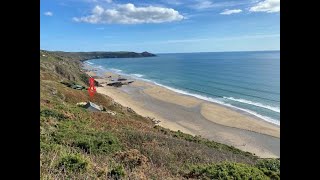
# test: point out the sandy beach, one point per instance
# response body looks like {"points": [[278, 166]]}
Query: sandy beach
{"points": [[195, 116]]}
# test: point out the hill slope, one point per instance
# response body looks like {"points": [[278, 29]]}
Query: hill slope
{"points": [[82, 56], [78, 144]]}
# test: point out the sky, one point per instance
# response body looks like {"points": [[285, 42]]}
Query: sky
{"points": [[160, 26]]}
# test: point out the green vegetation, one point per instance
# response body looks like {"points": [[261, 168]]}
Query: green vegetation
{"points": [[73, 162], [77, 144], [270, 167], [51, 113], [263, 169], [227, 170], [78, 135], [200, 140], [117, 172]]}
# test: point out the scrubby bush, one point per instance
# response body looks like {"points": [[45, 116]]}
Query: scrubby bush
{"points": [[132, 158], [73, 162], [77, 135], [50, 113], [269, 164], [270, 167], [117, 172], [97, 142], [227, 170]]}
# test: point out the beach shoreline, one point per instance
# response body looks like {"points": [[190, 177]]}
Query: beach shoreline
{"points": [[194, 116]]}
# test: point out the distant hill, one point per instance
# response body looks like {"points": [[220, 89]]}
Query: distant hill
{"points": [[83, 56]]}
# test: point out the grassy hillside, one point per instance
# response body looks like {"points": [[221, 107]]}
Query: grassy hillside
{"points": [[77, 144]]}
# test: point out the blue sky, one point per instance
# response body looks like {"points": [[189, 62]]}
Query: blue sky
{"points": [[160, 26]]}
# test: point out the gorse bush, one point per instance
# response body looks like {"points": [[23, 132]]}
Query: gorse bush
{"points": [[97, 142], [117, 172], [227, 170], [269, 164], [51, 113], [73, 162], [270, 167], [90, 141], [132, 158]]}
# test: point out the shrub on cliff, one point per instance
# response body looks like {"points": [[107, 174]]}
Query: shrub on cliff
{"points": [[73, 162], [270, 167], [117, 172], [226, 170]]}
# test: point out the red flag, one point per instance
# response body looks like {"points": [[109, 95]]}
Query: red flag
{"points": [[91, 89]]}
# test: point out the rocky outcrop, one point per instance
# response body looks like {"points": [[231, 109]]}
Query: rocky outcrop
{"points": [[115, 84], [119, 83]]}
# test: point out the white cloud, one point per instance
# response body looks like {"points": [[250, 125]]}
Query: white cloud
{"points": [[209, 4], [130, 14], [48, 13], [109, 1], [203, 4], [231, 11], [268, 6]]}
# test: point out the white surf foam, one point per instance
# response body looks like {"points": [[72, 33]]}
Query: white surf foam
{"points": [[268, 119], [137, 75], [115, 70], [272, 108], [90, 63]]}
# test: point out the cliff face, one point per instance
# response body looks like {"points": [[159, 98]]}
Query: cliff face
{"points": [[83, 56]]}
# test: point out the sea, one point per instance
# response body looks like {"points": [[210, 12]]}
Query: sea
{"points": [[246, 81]]}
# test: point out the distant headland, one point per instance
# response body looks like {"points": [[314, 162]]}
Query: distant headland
{"points": [[83, 56]]}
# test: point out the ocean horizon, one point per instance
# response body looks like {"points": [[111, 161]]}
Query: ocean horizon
{"points": [[245, 80]]}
